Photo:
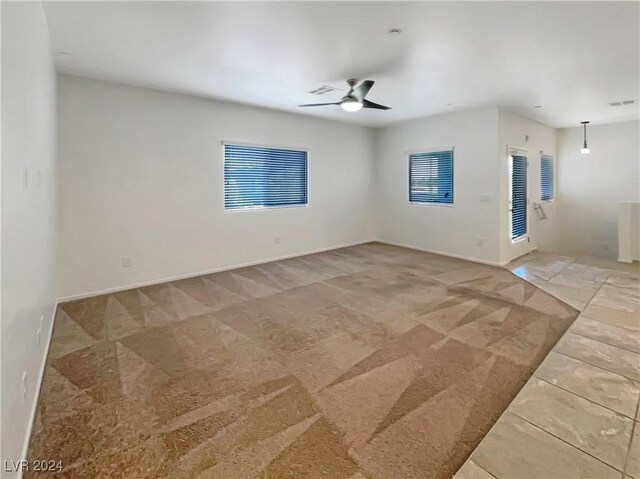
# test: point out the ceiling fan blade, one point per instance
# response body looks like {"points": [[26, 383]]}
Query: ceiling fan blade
{"points": [[370, 104], [363, 89], [318, 104]]}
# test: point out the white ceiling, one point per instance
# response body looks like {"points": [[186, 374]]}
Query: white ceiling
{"points": [[572, 58]]}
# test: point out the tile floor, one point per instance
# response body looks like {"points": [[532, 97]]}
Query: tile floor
{"points": [[578, 415], [365, 362]]}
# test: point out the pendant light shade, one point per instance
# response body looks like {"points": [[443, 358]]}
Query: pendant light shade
{"points": [[585, 149]]}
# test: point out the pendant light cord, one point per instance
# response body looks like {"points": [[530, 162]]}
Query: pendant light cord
{"points": [[584, 124]]}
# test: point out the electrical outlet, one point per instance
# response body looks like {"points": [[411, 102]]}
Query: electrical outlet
{"points": [[126, 261], [276, 240], [480, 241], [24, 385]]}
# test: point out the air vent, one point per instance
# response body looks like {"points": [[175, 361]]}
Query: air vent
{"points": [[321, 90], [622, 103]]}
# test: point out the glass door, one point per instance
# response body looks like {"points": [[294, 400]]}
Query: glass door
{"points": [[518, 204]]}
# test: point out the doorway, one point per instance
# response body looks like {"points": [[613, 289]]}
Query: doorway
{"points": [[518, 204]]}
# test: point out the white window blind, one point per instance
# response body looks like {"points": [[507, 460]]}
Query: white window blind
{"points": [[431, 177], [260, 177], [518, 196], [546, 178]]}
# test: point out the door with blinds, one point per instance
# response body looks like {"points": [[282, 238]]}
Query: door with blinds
{"points": [[518, 204]]}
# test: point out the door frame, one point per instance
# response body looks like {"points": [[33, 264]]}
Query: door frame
{"points": [[521, 245]]}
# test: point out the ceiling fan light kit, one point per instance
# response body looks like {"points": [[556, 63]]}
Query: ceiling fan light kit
{"points": [[354, 100], [350, 104]]}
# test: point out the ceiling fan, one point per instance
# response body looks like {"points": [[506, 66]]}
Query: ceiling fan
{"points": [[354, 100]]}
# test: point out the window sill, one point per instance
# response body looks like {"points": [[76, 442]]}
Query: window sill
{"points": [[440, 205], [263, 208]]}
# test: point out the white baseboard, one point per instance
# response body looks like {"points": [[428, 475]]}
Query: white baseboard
{"points": [[442, 253], [624, 259], [36, 397], [209, 271]]}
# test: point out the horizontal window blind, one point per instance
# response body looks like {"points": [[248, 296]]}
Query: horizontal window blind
{"points": [[259, 177], [546, 178], [431, 177], [518, 196]]}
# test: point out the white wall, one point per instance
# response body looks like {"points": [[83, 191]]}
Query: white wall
{"points": [[28, 213], [451, 230], [141, 175], [590, 186], [522, 132], [629, 231]]}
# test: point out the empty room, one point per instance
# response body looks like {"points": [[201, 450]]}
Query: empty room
{"points": [[341, 240]]}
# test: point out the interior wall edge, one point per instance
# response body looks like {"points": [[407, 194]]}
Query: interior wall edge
{"points": [[442, 253], [469, 227], [74, 297], [29, 203], [116, 289], [34, 406]]}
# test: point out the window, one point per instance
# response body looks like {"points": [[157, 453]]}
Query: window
{"points": [[431, 177], [259, 177], [546, 178]]}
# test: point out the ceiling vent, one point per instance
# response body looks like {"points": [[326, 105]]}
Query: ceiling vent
{"points": [[321, 90], [622, 103]]}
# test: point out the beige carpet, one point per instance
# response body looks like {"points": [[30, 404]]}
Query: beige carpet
{"points": [[369, 361]]}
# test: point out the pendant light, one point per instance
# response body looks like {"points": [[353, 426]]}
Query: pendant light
{"points": [[585, 148]]}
